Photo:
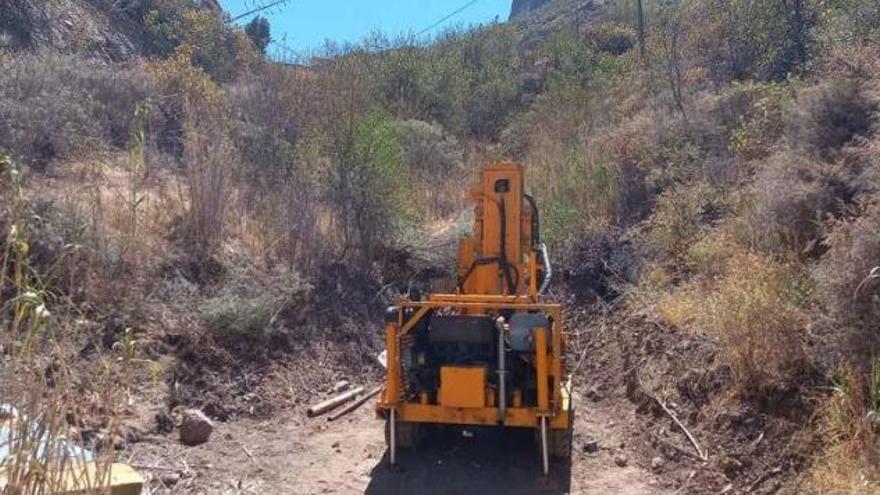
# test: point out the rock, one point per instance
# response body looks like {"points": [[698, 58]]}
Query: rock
{"points": [[195, 427], [341, 386], [621, 460], [591, 446], [164, 423], [657, 463], [335, 445], [170, 479], [594, 394]]}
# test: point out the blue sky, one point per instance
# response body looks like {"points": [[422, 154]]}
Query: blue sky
{"points": [[304, 25]]}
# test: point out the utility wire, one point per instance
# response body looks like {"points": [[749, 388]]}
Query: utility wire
{"points": [[450, 16], [256, 10]]}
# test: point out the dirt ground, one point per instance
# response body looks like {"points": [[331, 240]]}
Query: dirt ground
{"points": [[291, 454]]}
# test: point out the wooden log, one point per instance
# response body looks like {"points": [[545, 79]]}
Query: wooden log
{"points": [[333, 403], [354, 405]]}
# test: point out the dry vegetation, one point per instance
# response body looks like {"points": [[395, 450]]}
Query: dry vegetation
{"points": [[205, 207]]}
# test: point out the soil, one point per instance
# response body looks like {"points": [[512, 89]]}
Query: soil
{"points": [[626, 364], [296, 455]]}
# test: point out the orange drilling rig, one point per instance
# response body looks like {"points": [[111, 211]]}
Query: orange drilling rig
{"points": [[491, 353]]}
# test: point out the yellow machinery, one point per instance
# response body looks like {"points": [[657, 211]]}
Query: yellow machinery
{"points": [[490, 354]]}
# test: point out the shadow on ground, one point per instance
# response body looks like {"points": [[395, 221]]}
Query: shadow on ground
{"points": [[492, 461]]}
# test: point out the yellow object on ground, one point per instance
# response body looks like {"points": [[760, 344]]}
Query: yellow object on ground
{"points": [[124, 480]]}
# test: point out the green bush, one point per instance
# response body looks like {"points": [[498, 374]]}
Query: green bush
{"points": [[612, 38], [743, 39], [369, 189], [679, 216], [232, 317], [215, 47]]}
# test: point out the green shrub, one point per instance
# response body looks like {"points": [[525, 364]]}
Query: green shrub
{"points": [[754, 115], [679, 216], [743, 39], [232, 317], [369, 191], [214, 46], [260, 33], [612, 38]]}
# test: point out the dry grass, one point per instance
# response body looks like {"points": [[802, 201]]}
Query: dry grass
{"points": [[43, 396], [851, 462], [749, 307]]}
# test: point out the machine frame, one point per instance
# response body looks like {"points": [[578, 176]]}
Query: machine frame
{"points": [[504, 239]]}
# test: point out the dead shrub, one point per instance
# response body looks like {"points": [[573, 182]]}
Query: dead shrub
{"points": [[846, 287], [53, 106], [789, 199], [433, 156], [209, 155], [827, 116]]}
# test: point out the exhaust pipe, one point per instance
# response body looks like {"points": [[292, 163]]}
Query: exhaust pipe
{"points": [[502, 372], [548, 269]]}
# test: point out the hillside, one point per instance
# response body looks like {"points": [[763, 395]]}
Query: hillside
{"points": [[113, 31], [190, 225]]}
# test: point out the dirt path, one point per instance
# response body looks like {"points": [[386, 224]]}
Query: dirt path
{"points": [[299, 456]]}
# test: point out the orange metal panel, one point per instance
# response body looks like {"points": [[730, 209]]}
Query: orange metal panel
{"points": [[462, 386], [487, 416]]}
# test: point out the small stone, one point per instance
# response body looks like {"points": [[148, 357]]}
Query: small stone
{"points": [[170, 479], [335, 445], [340, 386], [594, 394], [657, 463], [591, 446], [195, 428], [621, 460]]}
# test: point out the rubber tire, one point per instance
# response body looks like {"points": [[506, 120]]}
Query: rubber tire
{"points": [[408, 434], [561, 440]]}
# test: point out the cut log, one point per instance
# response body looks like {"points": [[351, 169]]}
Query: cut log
{"points": [[354, 405], [333, 403]]}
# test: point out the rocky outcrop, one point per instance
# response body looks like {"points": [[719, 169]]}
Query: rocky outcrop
{"points": [[67, 26], [523, 7], [109, 30]]}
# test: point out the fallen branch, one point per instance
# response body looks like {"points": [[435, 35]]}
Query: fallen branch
{"points": [[355, 405], [680, 450], [703, 456], [333, 403], [641, 389], [249, 454], [144, 467]]}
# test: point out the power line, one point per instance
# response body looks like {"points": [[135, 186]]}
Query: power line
{"points": [[257, 10], [450, 16]]}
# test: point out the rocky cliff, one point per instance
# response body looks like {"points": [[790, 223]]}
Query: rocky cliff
{"points": [[523, 7], [110, 30]]}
